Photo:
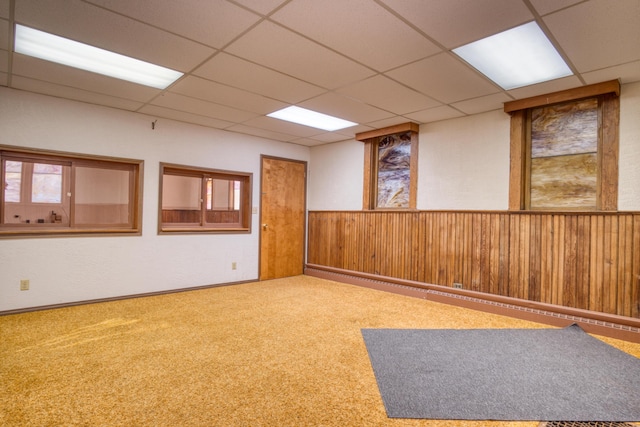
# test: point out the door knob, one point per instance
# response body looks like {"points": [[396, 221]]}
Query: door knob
{"points": [[264, 226]]}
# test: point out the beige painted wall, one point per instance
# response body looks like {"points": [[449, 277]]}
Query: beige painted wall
{"points": [[463, 164]]}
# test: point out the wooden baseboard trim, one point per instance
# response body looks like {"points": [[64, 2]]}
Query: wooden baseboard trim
{"points": [[619, 327], [118, 298]]}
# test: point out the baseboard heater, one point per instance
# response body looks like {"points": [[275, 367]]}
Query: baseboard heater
{"points": [[610, 325]]}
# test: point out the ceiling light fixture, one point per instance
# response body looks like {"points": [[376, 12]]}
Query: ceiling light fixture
{"points": [[49, 47], [302, 116], [517, 57]]}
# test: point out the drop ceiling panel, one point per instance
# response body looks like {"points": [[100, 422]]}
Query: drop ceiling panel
{"points": [[182, 116], [239, 73], [4, 34], [387, 94], [4, 61], [544, 7], [76, 94], [212, 22], [457, 22], [38, 69], [294, 55], [345, 108], [196, 87], [627, 73], [483, 103], [245, 58], [547, 87], [612, 36], [4, 9], [263, 133], [360, 29], [263, 7], [435, 114], [444, 78], [203, 108], [281, 126], [101, 28]]}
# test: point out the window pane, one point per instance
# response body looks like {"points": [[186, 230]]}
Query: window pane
{"points": [[46, 183], [220, 197], [101, 196], [236, 195], [181, 199], [12, 181]]}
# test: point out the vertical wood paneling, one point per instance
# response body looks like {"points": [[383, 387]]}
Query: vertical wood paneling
{"points": [[589, 260]]}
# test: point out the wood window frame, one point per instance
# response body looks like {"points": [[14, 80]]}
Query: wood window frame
{"points": [[370, 189], [243, 225], [608, 142], [36, 228]]}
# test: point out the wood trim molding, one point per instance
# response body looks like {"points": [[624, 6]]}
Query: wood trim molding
{"points": [[611, 86], [609, 153], [517, 160], [404, 127], [610, 325]]}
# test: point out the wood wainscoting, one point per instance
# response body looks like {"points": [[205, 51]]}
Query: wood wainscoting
{"points": [[589, 261]]}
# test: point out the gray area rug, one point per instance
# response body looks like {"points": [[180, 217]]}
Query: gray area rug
{"points": [[503, 374]]}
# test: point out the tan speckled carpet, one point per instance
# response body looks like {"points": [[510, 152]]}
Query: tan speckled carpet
{"points": [[285, 352]]}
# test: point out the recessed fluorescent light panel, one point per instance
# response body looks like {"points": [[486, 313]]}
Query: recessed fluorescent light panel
{"points": [[514, 58], [79, 55], [302, 116]]}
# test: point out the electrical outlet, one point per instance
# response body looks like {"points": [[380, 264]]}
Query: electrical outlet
{"points": [[24, 284], [234, 265], [457, 285]]}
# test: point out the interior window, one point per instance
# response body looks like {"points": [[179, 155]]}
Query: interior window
{"points": [[56, 193], [204, 200]]}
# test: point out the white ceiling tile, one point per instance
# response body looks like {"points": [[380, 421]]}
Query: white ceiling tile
{"points": [[196, 87], [281, 126], [345, 108], [182, 116], [38, 69], [285, 51], [4, 9], [263, 133], [435, 114], [444, 78], [612, 36], [546, 87], [202, 108], [98, 27], [311, 142], [544, 7], [328, 137], [212, 22], [627, 73], [263, 7], [381, 124], [457, 22], [360, 29], [4, 34], [236, 72], [483, 103], [387, 94], [4, 60], [76, 94]]}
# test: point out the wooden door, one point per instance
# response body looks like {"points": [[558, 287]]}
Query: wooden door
{"points": [[282, 217]]}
